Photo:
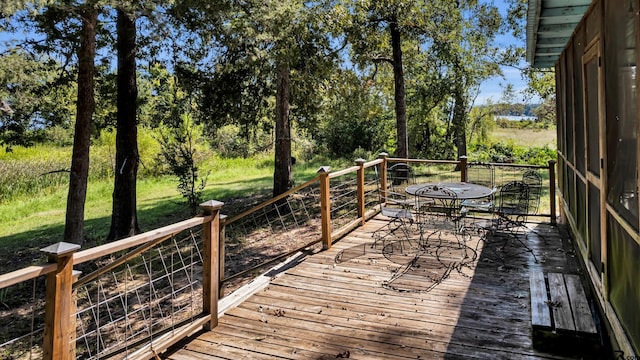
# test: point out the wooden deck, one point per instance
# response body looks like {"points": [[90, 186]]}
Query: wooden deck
{"points": [[355, 301]]}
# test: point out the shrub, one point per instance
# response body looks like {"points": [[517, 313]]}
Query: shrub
{"points": [[178, 146], [508, 152]]}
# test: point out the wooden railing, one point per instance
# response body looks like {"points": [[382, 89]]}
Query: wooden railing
{"points": [[62, 304], [142, 294]]}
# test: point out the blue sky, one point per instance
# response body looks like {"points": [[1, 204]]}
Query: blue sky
{"points": [[493, 88]]}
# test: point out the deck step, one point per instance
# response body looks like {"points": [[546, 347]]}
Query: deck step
{"points": [[560, 312]]}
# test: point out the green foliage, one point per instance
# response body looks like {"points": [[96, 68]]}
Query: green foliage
{"points": [[501, 152], [161, 98], [521, 124], [231, 141], [237, 85], [353, 118], [32, 97], [58, 135], [304, 146], [178, 149], [104, 147]]}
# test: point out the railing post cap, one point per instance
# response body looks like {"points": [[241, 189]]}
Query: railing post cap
{"points": [[211, 205], [60, 249], [552, 161], [324, 169], [383, 155], [360, 161]]}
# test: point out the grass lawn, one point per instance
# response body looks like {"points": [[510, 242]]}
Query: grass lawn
{"points": [[526, 137]]}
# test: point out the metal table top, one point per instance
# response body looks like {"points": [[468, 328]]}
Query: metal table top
{"points": [[462, 190]]}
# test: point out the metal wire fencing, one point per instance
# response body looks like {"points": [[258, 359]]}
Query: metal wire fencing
{"points": [[269, 232], [139, 299], [22, 319]]}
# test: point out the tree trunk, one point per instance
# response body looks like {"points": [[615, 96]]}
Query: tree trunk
{"points": [[74, 221], [459, 119], [282, 177], [124, 220], [399, 93]]}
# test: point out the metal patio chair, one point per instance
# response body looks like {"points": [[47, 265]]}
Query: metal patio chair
{"points": [[481, 174], [396, 206], [508, 226]]}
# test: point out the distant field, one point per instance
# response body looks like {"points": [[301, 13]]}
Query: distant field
{"points": [[526, 137]]}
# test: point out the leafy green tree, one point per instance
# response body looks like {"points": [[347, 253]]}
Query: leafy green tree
{"points": [[271, 57], [449, 45], [162, 98], [470, 52], [377, 32], [353, 117], [31, 97], [68, 32]]}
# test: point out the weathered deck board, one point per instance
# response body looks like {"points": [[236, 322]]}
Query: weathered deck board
{"points": [[540, 315], [323, 309], [579, 305], [560, 303]]}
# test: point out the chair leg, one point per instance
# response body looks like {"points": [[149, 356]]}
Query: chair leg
{"points": [[393, 226]]}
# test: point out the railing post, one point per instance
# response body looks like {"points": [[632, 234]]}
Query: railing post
{"points": [[325, 207], [59, 303], [360, 186], [463, 169], [383, 175], [552, 190], [210, 258], [221, 256]]}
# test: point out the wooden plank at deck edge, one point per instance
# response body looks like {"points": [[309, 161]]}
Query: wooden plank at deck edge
{"points": [[579, 305], [561, 308], [540, 314]]}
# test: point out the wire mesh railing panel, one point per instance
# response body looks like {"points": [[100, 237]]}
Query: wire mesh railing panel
{"points": [[371, 188], [507, 173], [344, 200], [22, 319], [436, 172], [141, 299], [270, 232]]}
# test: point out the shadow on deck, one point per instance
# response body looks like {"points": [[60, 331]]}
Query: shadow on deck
{"points": [[388, 302]]}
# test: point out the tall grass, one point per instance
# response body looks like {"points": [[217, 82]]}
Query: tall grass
{"points": [[41, 170], [33, 208]]}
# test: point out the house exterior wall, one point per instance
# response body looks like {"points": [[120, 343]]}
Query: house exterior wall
{"points": [[598, 113]]}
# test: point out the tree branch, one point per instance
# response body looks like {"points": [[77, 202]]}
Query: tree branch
{"points": [[382, 59]]}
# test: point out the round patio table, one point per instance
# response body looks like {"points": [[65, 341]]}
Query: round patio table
{"points": [[443, 190]]}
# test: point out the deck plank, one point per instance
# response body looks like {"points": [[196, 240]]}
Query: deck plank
{"points": [[335, 303], [579, 305], [540, 314], [561, 308]]}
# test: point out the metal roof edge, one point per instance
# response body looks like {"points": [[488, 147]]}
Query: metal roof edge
{"points": [[533, 20]]}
